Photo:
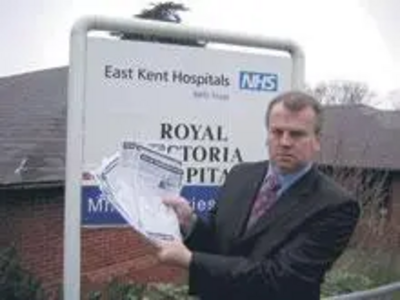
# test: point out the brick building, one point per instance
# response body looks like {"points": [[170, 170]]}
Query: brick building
{"points": [[32, 135], [32, 122]]}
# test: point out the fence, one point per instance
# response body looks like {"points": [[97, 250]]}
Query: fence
{"points": [[386, 292]]}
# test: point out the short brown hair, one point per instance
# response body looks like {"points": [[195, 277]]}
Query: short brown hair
{"points": [[296, 101]]}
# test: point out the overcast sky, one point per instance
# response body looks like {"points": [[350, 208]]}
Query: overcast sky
{"points": [[342, 39]]}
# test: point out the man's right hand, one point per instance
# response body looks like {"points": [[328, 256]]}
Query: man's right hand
{"points": [[183, 210]]}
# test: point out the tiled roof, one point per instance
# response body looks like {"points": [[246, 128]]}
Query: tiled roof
{"points": [[361, 136], [32, 126]]}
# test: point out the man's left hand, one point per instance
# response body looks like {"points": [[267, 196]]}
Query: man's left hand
{"points": [[174, 253]]}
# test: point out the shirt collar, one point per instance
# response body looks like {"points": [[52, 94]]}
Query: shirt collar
{"points": [[287, 179]]}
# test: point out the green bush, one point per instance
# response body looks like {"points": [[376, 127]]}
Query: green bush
{"points": [[15, 282], [339, 282], [167, 292], [116, 290]]}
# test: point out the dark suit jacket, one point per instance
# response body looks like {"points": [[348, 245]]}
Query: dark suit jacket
{"points": [[285, 254]]}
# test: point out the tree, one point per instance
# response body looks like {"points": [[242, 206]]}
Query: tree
{"points": [[394, 99], [369, 185], [343, 92], [370, 251], [162, 12]]}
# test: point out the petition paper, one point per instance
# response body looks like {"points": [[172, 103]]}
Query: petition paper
{"points": [[135, 180]]}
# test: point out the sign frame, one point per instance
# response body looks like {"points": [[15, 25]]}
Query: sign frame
{"points": [[76, 98]]}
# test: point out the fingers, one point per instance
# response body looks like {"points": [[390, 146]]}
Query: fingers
{"points": [[174, 201], [159, 244], [179, 204], [162, 245], [182, 208]]}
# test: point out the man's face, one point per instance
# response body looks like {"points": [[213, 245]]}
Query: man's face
{"points": [[292, 141]]}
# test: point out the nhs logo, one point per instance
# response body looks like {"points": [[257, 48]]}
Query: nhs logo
{"points": [[255, 81]]}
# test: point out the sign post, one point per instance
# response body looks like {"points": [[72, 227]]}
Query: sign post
{"points": [[205, 106]]}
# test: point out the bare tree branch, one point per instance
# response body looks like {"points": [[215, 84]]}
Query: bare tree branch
{"points": [[343, 92], [369, 186]]}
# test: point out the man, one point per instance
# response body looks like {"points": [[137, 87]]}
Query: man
{"points": [[277, 227]]}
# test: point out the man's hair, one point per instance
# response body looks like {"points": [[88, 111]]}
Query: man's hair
{"points": [[296, 101]]}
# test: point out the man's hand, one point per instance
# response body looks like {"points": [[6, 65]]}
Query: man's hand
{"points": [[183, 211], [174, 253]]}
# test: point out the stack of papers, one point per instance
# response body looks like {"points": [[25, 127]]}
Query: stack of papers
{"points": [[135, 180]]}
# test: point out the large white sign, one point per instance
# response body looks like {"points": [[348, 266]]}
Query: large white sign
{"points": [[206, 107]]}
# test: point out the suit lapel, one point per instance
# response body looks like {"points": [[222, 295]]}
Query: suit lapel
{"points": [[246, 197], [291, 200]]}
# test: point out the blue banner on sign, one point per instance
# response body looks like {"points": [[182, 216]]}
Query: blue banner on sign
{"points": [[97, 210], [202, 198]]}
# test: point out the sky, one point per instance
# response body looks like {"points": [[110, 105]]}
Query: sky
{"points": [[342, 39]]}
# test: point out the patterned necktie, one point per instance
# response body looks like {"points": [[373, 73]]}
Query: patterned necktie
{"points": [[266, 197]]}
